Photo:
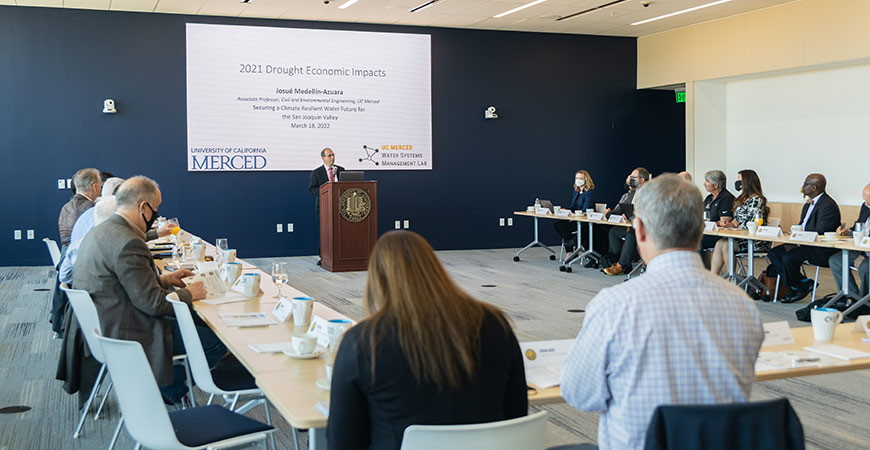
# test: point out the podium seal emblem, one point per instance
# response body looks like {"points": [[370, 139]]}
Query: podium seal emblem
{"points": [[354, 205]]}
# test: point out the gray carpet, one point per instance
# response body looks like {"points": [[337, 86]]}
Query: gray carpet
{"points": [[834, 409]]}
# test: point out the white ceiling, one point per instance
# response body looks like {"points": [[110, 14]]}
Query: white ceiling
{"points": [[476, 14]]}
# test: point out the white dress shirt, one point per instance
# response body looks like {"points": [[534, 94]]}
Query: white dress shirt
{"points": [[676, 335]]}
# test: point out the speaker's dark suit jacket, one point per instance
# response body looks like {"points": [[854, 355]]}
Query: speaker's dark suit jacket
{"points": [[825, 216], [319, 178]]}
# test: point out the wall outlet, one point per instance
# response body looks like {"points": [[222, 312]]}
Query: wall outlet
{"points": [[407, 224], [69, 183], [29, 235], [289, 227], [501, 221], [510, 221], [398, 224], [280, 228], [61, 184], [17, 235]]}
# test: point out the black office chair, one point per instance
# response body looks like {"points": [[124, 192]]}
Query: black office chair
{"points": [[769, 425]]}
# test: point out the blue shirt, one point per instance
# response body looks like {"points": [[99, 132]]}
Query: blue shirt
{"points": [[83, 224], [676, 335]]}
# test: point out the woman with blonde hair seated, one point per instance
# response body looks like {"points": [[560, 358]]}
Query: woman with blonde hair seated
{"points": [[428, 353], [750, 205]]}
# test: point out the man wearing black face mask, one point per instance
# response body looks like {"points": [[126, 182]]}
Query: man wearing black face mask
{"points": [[819, 214], [115, 267], [622, 240]]}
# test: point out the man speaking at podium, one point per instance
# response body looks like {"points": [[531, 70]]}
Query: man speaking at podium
{"points": [[327, 173]]}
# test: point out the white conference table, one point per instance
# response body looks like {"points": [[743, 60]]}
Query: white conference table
{"points": [[580, 252]]}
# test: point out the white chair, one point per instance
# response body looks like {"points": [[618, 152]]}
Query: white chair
{"points": [[53, 251], [522, 433], [229, 383], [147, 420], [86, 314]]}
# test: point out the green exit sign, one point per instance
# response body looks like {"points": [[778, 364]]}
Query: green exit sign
{"points": [[681, 97]]}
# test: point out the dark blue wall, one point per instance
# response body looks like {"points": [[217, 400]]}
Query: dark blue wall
{"points": [[565, 102]]}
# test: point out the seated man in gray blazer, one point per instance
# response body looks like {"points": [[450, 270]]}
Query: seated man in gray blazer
{"points": [[114, 265]]}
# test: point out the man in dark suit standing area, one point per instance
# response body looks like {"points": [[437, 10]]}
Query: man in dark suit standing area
{"points": [[819, 214], [327, 173]]}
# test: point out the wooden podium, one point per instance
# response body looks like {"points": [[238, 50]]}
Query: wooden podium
{"points": [[348, 224]]}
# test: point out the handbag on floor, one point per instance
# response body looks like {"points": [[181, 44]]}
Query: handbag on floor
{"points": [[768, 279]]}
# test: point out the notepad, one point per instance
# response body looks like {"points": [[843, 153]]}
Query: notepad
{"points": [[274, 347], [246, 320], [837, 351]]}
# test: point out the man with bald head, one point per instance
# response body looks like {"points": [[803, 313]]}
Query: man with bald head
{"points": [[114, 265], [836, 260], [820, 214]]}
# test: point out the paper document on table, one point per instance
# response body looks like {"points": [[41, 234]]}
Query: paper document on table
{"points": [[275, 347], [543, 361], [251, 319], [229, 297], [777, 333], [768, 361], [838, 351]]}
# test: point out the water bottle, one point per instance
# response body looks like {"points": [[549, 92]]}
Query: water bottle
{"points": [[537, 203], [758, 218]]}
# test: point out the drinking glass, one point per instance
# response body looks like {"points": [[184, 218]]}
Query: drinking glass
{"points": [[220, 245], [279, 276]]}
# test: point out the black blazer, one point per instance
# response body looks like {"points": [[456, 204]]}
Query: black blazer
{"points": [[372, 413], [862, 216], [319, 178], [825, 216]]}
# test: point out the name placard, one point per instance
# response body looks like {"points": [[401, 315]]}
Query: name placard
{"points": [[865, 242], [769, 231], [804, 236], [282, 310], [564, 213], [710, 226], [596, 216], [542, 211], [615, 219]]}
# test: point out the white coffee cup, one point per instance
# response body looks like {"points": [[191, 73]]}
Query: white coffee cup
{"points": [[329, 372], [530, 208], [231, 272], [250, 284], [303, 343], [830, 236], [556, 209], [858, 236], [335, 330], [198, 251], [752, 226], [590, 211], [228, 255], [303, 307], [796, 228], [578, 213], [825, 321]]}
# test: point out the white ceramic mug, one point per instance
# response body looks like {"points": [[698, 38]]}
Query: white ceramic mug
{"points": [[825, 321], [590, 211], [335, 330], [228, 255], [303, 343], [198, 251], [857, 236], [303, 307], [231, 272], [556, 209], [530, 208], [329, 372], [752, 226], [796, 229], [830, 236], [250, 284]]}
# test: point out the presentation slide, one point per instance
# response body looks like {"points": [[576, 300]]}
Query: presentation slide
{"points": [[262, 98]]}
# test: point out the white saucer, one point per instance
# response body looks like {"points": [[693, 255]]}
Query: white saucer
{"points": [[318, 351], [323, 383]]}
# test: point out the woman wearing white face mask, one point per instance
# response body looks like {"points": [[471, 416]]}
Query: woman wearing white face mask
{"points": [[583, 199]]}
